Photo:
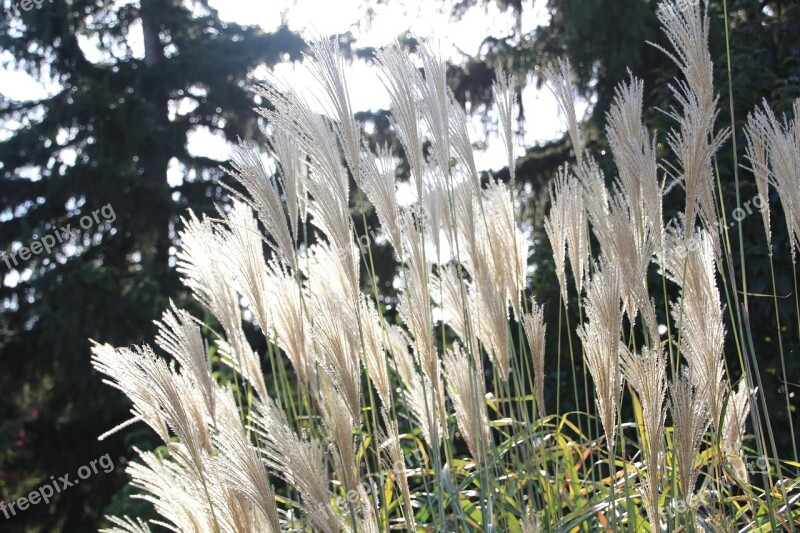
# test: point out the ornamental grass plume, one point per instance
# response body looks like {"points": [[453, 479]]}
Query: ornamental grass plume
{"points": [[774, 152], [699, 313], [291, 178], [248, 169], [757, 133], [419, 409], [298, 461], [565, 219], [690, 421], [647, 375], [467, 392], [378, 183], [559, 80], [601, 339], [535, 331], [634, 152], [733, 429], [694, 142]]}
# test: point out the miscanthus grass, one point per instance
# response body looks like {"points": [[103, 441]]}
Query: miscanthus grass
{"points": [[437, 420]]}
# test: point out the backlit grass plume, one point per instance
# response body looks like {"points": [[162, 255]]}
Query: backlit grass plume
{"points": [[309, 399]]}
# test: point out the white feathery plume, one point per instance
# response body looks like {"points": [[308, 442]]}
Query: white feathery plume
{"points": [[172, 403], [248, 169], [636, 159], [244, 259], [242, 470], [327, 182], [461, 144], [596, 194], [163, 398], [559, 80], [291, 177], [203, 274], [390, 441], [328, 269], [699, 312], [312, 132], [180, 336], [398, 348], [647, 374], [404, 82], [601, 342], [689, 420], [509, 247], [577, 233], [288, 325], [375, 362], [378, 183], [175, 494], [328, 68], [234, 509], [337, 345], [631, 245], [504, 101], [468, 231], [233, 512], [490, 258], [535, 332], [243, 359], [339, 426], [126, 371], [298, 461], [467, 392], [757, 133], [451, 301], [415, 301], [555, 225], [733, 429], [786, 174], [332, 216], [435, 205], [686, 25], [425, 403], [491, 314], [783, 140], [566, 227], [694, 151], [436, 105], [402, 362]]}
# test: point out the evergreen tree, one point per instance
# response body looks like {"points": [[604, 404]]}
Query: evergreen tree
{"points": [[101, 142]]}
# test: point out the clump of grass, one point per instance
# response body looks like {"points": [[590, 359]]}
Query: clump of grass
{"points": [[377, 426]]}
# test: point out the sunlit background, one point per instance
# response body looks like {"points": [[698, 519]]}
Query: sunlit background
{"points": [[371, 26]]}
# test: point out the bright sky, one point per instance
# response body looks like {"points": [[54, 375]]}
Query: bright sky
{"points": [[425, 18]]}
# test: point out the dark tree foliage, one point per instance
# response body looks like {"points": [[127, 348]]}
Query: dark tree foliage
{"points": [[606, 41], [118, 116]]}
